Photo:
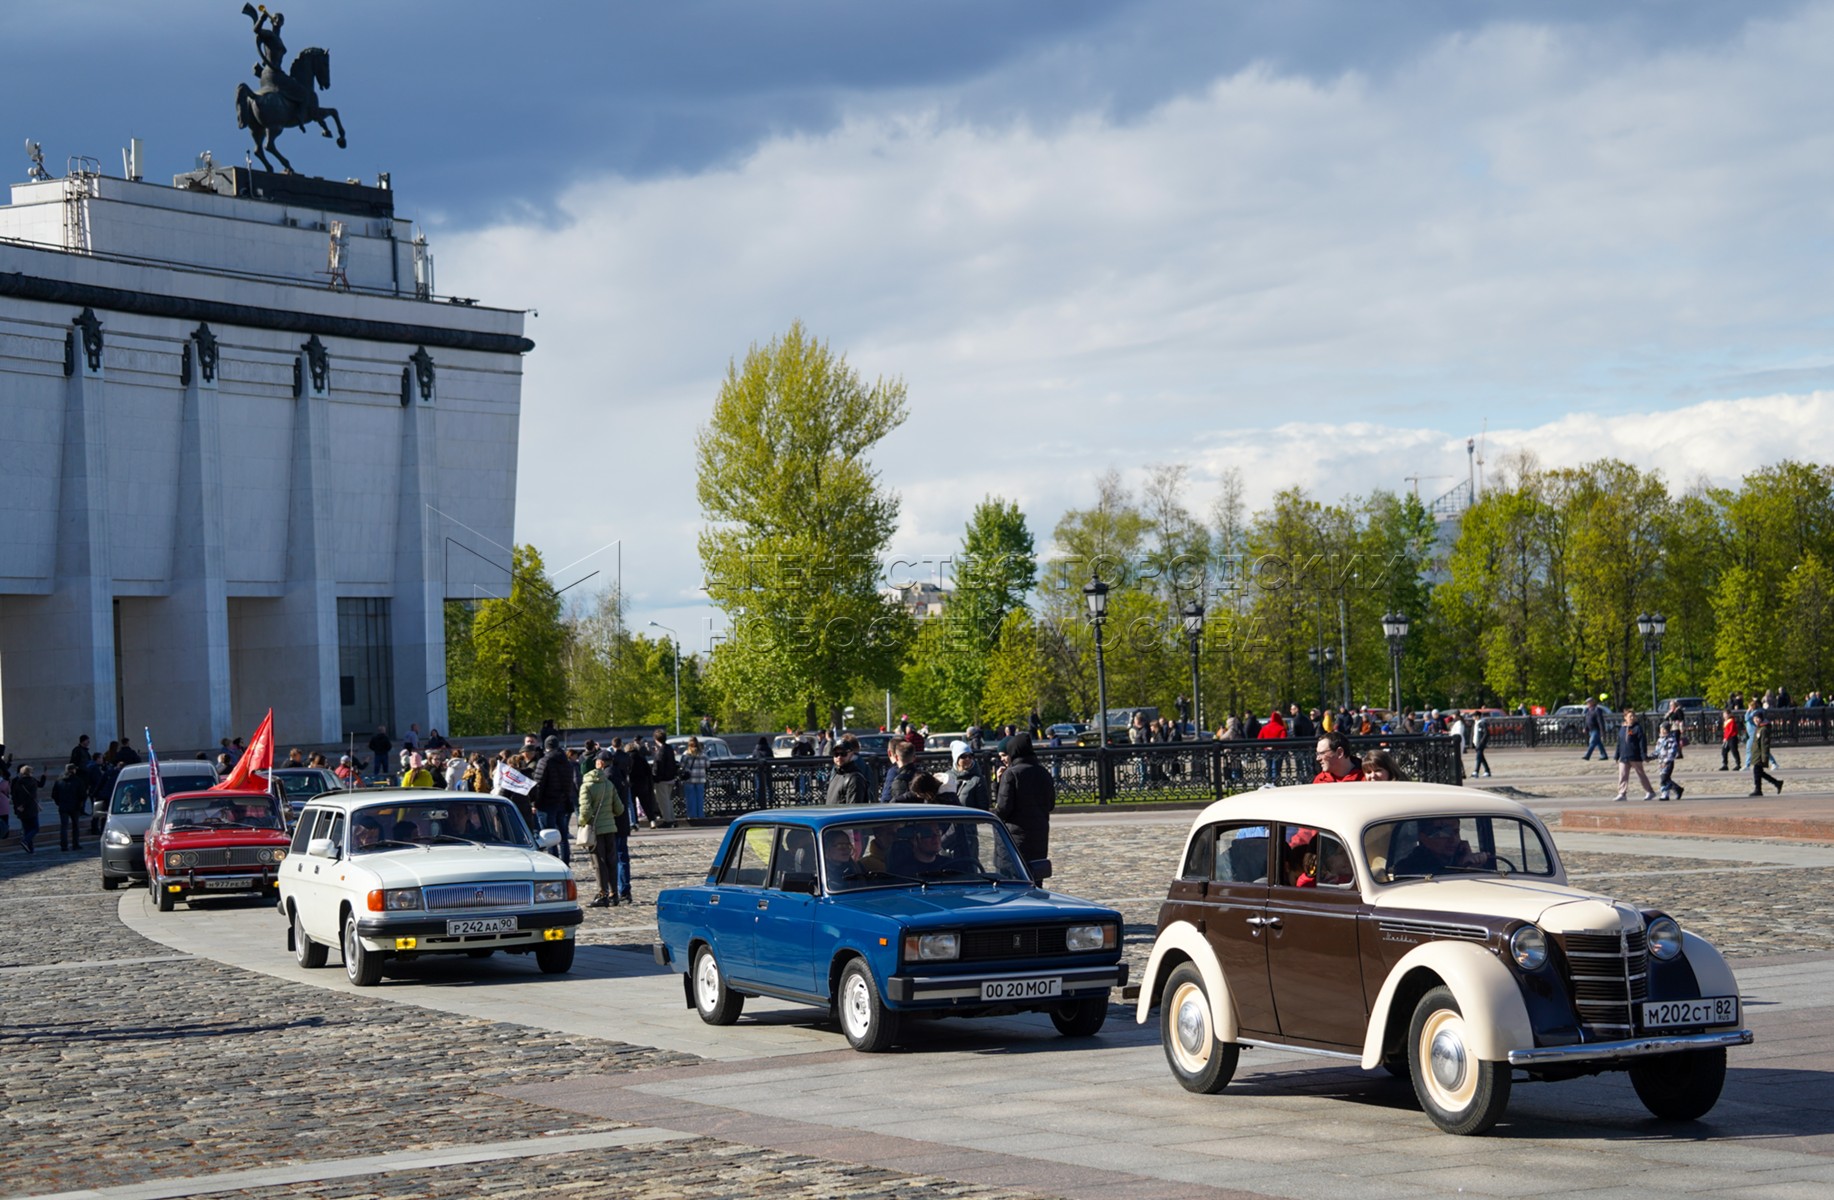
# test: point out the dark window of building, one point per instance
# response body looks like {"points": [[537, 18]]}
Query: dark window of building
{"points": [[366, 685]]}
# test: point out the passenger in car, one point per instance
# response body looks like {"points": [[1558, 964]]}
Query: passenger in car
{"points": [[406, 831], [368, 832], [838, 853]]}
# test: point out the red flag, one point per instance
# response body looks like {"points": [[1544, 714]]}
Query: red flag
{"points": [[258, 757]]}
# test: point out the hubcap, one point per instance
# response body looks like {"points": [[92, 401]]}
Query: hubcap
{"points": [[707, 981], [1448, 1057], [1191, 1025], [350, 947], [856, 1007]]}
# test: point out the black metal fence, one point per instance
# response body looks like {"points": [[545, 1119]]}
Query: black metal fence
{"points": [[1175, 772], [1788, 726]]}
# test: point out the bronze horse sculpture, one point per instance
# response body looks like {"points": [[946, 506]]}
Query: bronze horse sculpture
{"points": [[266, 113]]}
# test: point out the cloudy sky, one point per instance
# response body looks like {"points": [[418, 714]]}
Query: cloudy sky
{"points": [[1323, 241]]}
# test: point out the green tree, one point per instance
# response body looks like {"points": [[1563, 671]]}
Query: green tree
{"points": [[796, 522], [1745, 643], [506, 666], [1018, 676], [996, 568], [1807, 625]]}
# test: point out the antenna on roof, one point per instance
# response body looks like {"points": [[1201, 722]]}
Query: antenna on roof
{"points": [[36, 172]]}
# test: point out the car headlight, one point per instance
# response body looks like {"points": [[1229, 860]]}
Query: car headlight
{"points": [[178, 860], [1664, 938], [551, 890], [1082, 938], [394, 899], [115, 837], [1528, 946], [931, 947]]}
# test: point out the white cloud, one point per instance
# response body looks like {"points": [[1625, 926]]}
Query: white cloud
{"points": [[1327, 285]]}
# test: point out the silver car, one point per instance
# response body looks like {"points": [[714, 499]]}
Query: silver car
{"points": [[130, 811]]}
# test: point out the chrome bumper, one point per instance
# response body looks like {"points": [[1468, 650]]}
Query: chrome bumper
{"points": [[1629, 1048]]}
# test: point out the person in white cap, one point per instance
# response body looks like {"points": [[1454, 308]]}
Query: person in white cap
{"points": [[964, 780]]}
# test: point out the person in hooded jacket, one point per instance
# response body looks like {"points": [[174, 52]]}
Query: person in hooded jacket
{"points": [[599, 808], [1024, 797], [1273, 730], [966, 781], [555, 794]]}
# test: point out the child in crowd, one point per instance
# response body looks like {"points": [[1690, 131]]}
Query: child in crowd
{"points": [[1668, 749]]}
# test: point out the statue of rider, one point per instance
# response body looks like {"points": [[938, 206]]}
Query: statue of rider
{"points": [[273, 54]]}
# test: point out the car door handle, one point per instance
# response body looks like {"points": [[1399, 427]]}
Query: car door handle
{"points": [[1269, 922], [764, 904], [714, 900]]}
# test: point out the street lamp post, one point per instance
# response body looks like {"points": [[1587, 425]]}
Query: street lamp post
{"points": [[1652, 627], [1394, 627], [1194, 629], [1096, 593], [1316, 657], [1330, 666], [676, 642]]}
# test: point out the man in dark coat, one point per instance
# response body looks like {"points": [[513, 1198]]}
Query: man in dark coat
{"points": [[848, 784], [1024, 797], [379, 746], [642, 789], [68, 794], [555, 792], [664, 771]]}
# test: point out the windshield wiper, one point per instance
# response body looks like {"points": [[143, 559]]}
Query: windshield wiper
{"points": [[179, 828], [878, 875], [381, 842], [453, 837], [964, 872]]}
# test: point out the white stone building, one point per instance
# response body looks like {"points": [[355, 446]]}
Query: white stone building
{"points": [[235, 473]]}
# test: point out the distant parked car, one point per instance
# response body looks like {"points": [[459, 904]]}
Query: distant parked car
{"points": [[1431, 931], [1687, 703], [903, 912], [300, 784], [1565, 719], [714, 748], [130, 811]]}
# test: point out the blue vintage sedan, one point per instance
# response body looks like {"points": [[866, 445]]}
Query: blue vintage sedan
{"points": [[882, 913]]}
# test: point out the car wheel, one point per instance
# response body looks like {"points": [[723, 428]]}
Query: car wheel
{"points": [[554, 958], [870, 1026], [110, 883], [1680, 1087], [1199, 1062], [362, 967], [163, 897], [485, 953], [1080, 1018], [1461, 1093], [306, 952], [713, 1000]]}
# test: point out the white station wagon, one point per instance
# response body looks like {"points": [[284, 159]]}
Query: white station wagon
{"points": [[396, 874]]}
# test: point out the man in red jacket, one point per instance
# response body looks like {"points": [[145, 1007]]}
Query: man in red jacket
{"points": [[1273, 730]]}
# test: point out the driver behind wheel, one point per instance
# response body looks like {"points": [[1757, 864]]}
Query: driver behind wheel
{"points": [[1441, 849]]}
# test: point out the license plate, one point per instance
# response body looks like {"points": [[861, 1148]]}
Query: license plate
{"points": [[1670, 1014], [1020, 989], [482, 925], [236, 885]]}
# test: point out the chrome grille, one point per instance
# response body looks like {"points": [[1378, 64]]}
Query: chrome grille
{"points": [[480, 895], [1610, 977], [1015, 942], [228, 856]]}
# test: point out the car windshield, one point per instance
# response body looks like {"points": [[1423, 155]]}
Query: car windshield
{"points": [[306, 786], [136, 795], [441, 822], [946, 849], [1424, 847], [221, 812]]}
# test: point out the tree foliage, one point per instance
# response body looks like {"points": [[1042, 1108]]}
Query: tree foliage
{"points": [[796, 524], [508, 656]]}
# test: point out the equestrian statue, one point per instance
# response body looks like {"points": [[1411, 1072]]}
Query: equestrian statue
{"points": [[287, 99]]}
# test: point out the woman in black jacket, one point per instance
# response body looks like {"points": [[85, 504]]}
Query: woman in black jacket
{"points": [[1631, 751]]}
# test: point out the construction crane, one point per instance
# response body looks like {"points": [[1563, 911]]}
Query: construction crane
{"points": [[1415, 480]]}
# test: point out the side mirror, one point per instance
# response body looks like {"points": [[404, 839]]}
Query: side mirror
{"points": [[322, 848], [802, 882], [547, 839], [1040, 869]]}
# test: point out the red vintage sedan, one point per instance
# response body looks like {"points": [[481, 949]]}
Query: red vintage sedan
{"points": [[215, 844]]}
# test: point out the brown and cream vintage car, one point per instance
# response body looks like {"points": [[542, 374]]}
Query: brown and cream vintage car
{"points": [[1430, 931]]}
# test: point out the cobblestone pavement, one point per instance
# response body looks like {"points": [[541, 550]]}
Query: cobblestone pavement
{"points": [[123, 1063], [702, 1167]]}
